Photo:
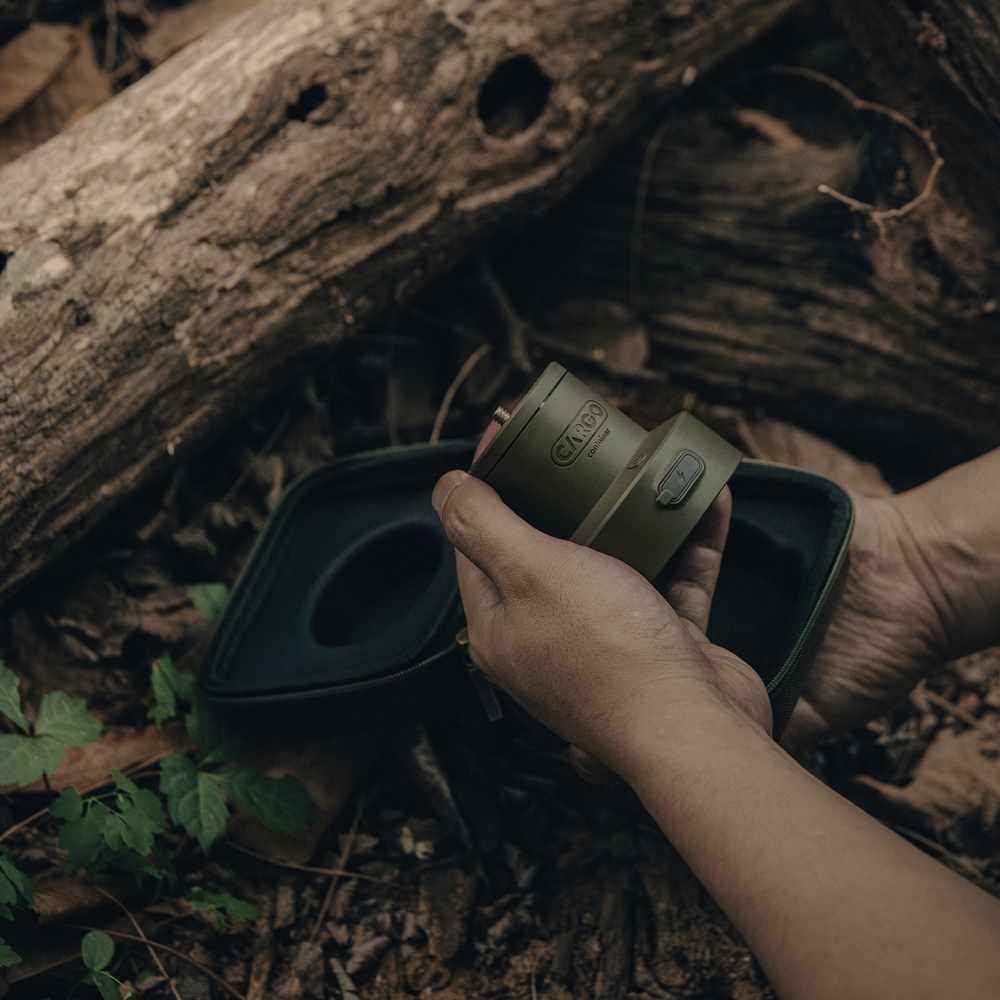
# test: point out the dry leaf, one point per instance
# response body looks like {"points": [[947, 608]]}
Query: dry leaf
{"points": [[182, 25], [774, 441], [87, 765], [67, 897], [329, 771], [602, 330], [959, 775], [30, 61], [76, 88]]}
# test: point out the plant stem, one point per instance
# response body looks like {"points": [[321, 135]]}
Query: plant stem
{"points": [[231, 990], [139, 931], [333, 872]]}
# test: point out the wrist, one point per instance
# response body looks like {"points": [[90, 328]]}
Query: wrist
{"points": [[671, 765], [666, 737]]}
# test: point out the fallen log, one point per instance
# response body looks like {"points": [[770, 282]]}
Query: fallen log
{"points": [[758, 291], [195, 241], [939, 63]]}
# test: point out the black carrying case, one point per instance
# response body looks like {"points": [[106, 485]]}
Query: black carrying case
{"points": [[346, 613]]}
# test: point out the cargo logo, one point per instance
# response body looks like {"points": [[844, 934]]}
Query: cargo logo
{"points": [[577, 436]]}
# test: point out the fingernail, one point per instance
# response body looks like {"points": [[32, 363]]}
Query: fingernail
{"points": [[445, 485]]}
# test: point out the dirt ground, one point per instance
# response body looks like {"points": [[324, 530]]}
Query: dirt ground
{"points": [[447, 861]]}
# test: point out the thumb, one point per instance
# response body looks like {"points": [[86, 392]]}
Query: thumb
{"points": [[486, 531]]}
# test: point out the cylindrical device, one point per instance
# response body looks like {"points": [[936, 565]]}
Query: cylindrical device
{"points": [[573, 466]]}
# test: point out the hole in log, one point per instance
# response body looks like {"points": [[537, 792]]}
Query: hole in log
{"points": [[513, 96], [309, 100], [4, 256]]}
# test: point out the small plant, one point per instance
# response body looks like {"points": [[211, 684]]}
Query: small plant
{"points": [[97, 950], [120, 827], [168, 684], [62, 722], [217, 904], [209, 598]]}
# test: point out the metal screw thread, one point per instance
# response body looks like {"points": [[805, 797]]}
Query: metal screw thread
{"points": [[501, 416]]}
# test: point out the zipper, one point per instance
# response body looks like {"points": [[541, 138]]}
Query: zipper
{"points": [[819, 607], [344, 688]]}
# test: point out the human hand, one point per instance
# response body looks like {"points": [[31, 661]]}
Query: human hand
{"points": [[923, 588], [580, 640]]}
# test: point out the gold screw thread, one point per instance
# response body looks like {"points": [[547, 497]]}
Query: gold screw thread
{"points": [[501, 416]]}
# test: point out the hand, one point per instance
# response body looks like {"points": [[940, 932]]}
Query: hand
{"points": [[885, 636], [923, 588], [580, 640]]}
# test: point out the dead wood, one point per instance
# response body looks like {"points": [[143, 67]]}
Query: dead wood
{"points": [[939, 63], [757, 290], [185, 248]]}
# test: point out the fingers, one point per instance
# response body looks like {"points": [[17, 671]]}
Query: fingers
{"points": [[693, 584], [486, 531]]}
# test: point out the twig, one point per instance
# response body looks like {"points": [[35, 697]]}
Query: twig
{"points": [[171, 951], [139, 931], [878, 216], [279, 429], [959, 713], [344, 856], [641, 195], [463, 373], [516, 328], [445, 324], [92, 788], [332, 872]]}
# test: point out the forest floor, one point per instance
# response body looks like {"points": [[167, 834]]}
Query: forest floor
{"points": [[444, 862], [519, 879]]}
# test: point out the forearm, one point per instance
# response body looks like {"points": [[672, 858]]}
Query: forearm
{"points": [[832, 904], [952, 525]]}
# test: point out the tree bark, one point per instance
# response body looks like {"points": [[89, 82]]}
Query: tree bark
{"points": [[759, 292], [939, 63], [196, 240]]}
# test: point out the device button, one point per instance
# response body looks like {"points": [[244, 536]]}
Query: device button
{"points": [[681, 477]]}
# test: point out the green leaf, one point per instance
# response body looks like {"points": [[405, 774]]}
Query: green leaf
{"points": [[8, 891], [20, 881], [24, 760], [209, 598], [137, 866], [68, 804], [137, 830], [281, 804], [7, 955], [214, 740], [238, 909], [67, 720], [148, 802], [81, 840], [97, 950], [106, 984], [109, 823], [123, 782], [166, 701], [182, 681], [10, 698], [195, 800], [6, 912]]}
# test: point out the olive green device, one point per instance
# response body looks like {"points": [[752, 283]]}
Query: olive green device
{"points": [[573, 466]]}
